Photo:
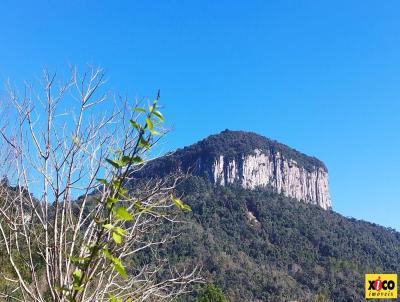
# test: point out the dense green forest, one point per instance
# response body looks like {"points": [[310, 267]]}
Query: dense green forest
{"points": [[257, 245], [231, 144], [261, 246]]}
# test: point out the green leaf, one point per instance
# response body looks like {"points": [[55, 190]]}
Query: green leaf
{"points": [[108, 226], [77, 288], [155, 133], [131, 160], [117, 238], [159, 115], [110, 201], [114, 163], [187, 208], [126, 160], [117, 264], [102, 181], [77, 276], [137, 160], [143, 143], [123, 214], [139, 109], [149, 124], [151, 108], [135, 124], [116, 183], [120, 231], [120, 268], [179, 203], [107, 254], [113, 298]]}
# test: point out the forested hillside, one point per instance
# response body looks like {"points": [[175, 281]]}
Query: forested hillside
{"points": [[261, 246], [257, 245]]}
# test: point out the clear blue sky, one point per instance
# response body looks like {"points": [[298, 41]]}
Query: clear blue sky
{"points": [[320, 76]]}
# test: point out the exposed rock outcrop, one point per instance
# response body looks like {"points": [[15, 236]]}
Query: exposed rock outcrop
{"points": [[266, 169], [252, 161]]}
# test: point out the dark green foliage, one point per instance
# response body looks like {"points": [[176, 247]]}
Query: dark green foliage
{"points": [[21, 252], [199, 157], [261, 246], [231, 143], [211, 293]]}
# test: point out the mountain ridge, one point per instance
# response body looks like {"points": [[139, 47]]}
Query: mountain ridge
{"points": [[250, 160], [248, 141]]}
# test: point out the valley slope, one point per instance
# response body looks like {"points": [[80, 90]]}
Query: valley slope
{"points": [[263, 246]]}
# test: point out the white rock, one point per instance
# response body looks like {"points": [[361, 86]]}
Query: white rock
{"points": [[286, 176]]}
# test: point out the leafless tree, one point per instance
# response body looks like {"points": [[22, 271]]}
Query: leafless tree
{"points": [[71, 217]]}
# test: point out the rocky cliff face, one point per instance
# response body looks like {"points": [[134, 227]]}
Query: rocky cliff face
{"points": [[266, 169], [252, 161]]}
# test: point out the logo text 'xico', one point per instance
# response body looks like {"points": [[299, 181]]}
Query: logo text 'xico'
{"points": [[381, 286]]}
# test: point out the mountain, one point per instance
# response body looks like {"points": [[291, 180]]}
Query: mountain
{"points": [[258, 242], [252, 235], [251, 161]]}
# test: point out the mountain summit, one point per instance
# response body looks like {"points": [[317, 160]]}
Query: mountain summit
{"points": [[250, 236], [251, 161]]}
